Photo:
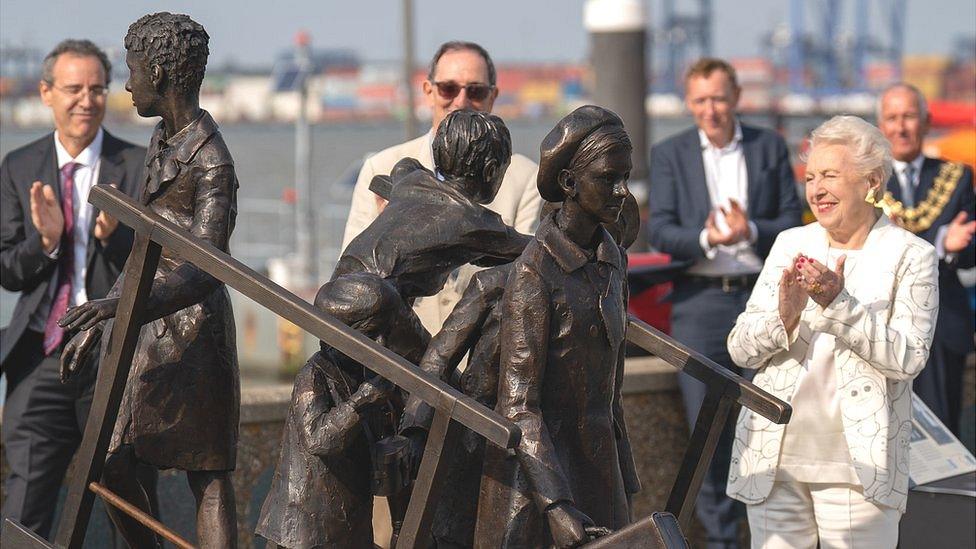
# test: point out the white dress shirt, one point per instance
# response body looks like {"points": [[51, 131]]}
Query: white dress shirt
{"points": [[727, 180], [86, 175]]}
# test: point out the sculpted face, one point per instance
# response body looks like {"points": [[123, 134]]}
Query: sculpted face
{"points": [[141, 85], [601, 186], [712, 101], [902, 123], [835, 191], [462, 68], [76, 96]]}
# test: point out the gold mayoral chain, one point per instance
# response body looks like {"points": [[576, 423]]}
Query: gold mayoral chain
{"points": [[920, 217]]}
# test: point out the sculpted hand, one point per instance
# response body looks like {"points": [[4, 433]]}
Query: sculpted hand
{"points": [[46, 215], [737, 220], [820, 283], [567, 525], [75, 353], [105, 225], [371, 392], [792, 298], [87, 315], [959, 234]]}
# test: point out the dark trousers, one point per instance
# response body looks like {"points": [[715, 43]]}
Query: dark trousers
{"points": [[701, 318], [939, 384], [43, 422]]}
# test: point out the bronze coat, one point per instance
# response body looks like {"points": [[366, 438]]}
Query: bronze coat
{"points": [[564, 318], [182, 400], [320, 495]]}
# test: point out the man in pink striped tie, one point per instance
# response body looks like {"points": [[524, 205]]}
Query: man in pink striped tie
{"points": [[57, 251]]}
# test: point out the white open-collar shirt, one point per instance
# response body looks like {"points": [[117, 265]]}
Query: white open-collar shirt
{"points": [[86, 175], [727, 180]]}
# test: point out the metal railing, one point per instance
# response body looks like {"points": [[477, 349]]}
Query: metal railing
{"points": [[726, 391]]}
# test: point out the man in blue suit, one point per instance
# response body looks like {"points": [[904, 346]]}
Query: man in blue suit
{"points": [[720, 193], [904, 119]]}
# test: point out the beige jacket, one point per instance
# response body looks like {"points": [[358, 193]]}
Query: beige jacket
{"points": [[518, 202], [882, 321]]}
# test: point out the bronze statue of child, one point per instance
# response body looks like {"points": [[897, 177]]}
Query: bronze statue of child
{"points": [[181, 403], [562, 334], [321, 493], [437, 222], [472, 328]]}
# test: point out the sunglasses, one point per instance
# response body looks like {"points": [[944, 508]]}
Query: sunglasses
{"points": [[451, 89]]}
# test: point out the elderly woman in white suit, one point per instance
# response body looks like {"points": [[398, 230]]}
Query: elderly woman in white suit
{"points": [[838, 324]]}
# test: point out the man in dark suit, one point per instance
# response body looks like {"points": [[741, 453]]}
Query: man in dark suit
{"points": [[904, 119], [57, 251], [720, 193]]}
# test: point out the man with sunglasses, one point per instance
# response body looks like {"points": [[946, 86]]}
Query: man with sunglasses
{"points": [[57, 251], [462, 76]]}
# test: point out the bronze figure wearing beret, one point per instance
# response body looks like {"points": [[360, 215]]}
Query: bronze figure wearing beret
{"points": [[473, 328], [564, 317], [181, 403]]}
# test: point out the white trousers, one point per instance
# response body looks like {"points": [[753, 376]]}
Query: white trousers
{"points": [[798, 514]]}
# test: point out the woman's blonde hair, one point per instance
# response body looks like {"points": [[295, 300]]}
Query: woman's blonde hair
{"points": [[869, 147]]}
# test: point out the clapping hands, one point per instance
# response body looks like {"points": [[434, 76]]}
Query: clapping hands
{"points": [[737, 221], [819, 282]]}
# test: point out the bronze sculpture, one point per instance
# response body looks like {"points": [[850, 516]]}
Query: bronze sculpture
{"points": [[320, 495], [433, 224], [181, 404], [473, 328], [573, 473]]}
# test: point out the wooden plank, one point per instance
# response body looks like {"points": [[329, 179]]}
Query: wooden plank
{"points": [[711, 420], [743, 392], [140, 269], [15, 535], [245, 280], [444, 433]]}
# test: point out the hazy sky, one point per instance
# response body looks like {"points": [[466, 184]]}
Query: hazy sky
{"points": [[252, 32]]}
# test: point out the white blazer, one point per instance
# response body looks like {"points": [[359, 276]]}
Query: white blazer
{"points": [[517, 201], [883, 321]]}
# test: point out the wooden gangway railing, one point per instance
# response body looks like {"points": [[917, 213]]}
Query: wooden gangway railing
{"points": [[452, 409]]}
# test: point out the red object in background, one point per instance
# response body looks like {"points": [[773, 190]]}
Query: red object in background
{"points": [[289, 195], [650, 305], [952, 114]]}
